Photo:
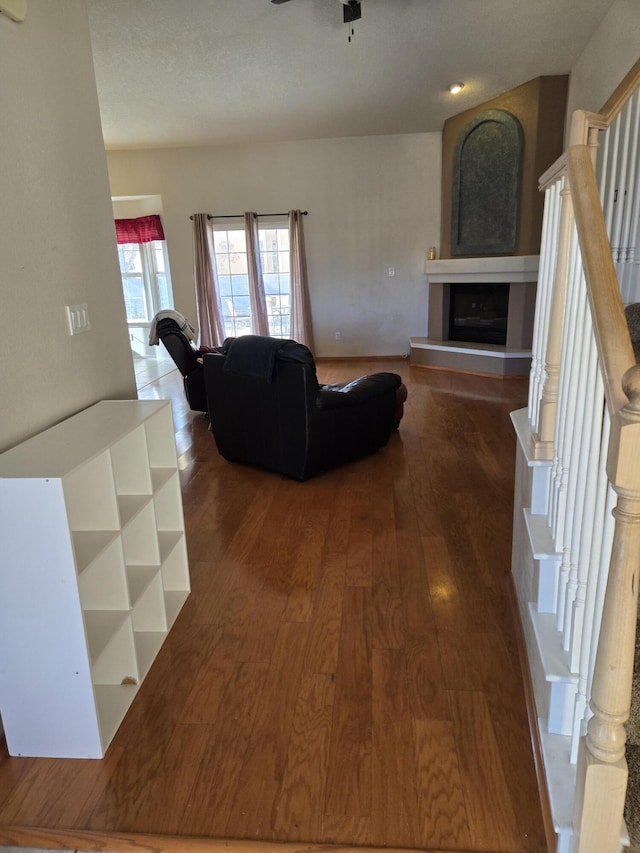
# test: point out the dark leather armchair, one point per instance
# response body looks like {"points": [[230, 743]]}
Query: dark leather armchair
{"points": [[267, 408], [185, 356]]}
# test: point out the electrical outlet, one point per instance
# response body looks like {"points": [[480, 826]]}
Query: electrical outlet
{"points": [[338, 336], [392, 272]]}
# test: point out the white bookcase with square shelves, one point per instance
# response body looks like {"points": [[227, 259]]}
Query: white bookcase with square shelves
{"points": [[94, 573]]}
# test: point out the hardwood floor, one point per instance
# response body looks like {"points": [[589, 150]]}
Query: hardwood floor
{"points": [[345, 670]]}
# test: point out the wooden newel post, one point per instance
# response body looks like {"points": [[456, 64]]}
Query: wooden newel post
{"points": [[602, 769]]}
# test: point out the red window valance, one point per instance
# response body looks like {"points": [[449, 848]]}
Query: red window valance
{"points": [[144, 229]]}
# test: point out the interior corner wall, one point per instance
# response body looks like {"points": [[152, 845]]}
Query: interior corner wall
{"points": [[57, 239], [540, 106], [132, 208], [373, 206], [610, 53]]}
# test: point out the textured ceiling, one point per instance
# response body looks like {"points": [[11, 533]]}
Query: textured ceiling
{"points": [[192, 72]]}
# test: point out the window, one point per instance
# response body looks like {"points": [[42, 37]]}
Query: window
{"points": [[145, 279], [231, 263], [274, 254]]}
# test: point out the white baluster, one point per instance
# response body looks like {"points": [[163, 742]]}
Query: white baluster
{"points": [[602, 165], [621, 184], [603, 571], [555, 480], [537, 348], [563, 425], [593, 536], [610, 174], [543, 443], [629, 226], [550, 267], [575, 416], [593, 397]]}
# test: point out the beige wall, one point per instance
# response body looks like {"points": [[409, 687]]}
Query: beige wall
{"points": [[539, 106], [56, 232], [610, 53], [373, 204]]}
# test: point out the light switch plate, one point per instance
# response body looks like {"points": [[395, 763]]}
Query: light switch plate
{"points": [[14, 9], [78, 318]]}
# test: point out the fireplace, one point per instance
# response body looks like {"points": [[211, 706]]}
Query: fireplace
{"points": [[491, 330], [478, 313]]}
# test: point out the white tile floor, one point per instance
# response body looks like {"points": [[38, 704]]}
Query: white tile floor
{"points": [[149, 369]]}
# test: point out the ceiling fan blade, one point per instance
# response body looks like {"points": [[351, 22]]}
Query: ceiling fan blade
{"points": [[279, 2]]}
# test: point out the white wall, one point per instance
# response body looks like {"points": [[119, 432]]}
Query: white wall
{"points": [[131, 207], [57, 241], [612, 50], [373, 203]]}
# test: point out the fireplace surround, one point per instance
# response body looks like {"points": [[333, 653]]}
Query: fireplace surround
{"points": [[511, 358], [538, 107]]}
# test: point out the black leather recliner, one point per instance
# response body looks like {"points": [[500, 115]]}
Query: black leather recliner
{"points": [[268, 410], [185, 357]]}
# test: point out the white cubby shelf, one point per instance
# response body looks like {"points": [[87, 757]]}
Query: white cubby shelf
{"points": [[94, 573]]}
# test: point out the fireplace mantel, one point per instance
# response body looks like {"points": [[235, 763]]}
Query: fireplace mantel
{"points": [[493, 270], [520, 272]]}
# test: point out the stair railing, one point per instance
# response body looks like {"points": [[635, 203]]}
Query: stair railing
{"points": [[584, 413]]}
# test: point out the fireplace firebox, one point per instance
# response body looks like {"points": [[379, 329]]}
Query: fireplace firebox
{"points": [[478, 313]]}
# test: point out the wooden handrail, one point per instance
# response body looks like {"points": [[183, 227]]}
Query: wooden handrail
{"points": [[622, 94], [612, 337], [587, 120], [553, 173]]}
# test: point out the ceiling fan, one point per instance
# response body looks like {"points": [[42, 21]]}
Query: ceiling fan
{"points": [[352, 9]]}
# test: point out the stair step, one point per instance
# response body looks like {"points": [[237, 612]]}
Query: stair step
{"points": [[554, 657], [540, 468], [548, 560], [561, 783], [542, 544], [562, 682]]}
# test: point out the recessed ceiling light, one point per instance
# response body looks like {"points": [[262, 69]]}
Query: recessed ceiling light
{"points": [[454, 88]]}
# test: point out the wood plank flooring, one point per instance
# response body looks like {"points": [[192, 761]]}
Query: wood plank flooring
{"points": [[345, 670]]}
